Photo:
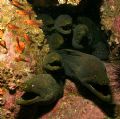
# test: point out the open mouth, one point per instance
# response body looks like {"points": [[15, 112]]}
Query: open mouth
{"points": [[55, 63], [84, 41], [29, 95], [67, 27]]}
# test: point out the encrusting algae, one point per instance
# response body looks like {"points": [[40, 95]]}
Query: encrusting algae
{"points": [[22, 49]]}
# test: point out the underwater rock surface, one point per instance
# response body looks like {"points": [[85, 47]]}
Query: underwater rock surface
{"points": [[22, 50], [74, 106]]}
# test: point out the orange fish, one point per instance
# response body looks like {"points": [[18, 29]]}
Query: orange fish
{"points": [[33, 22], [12, 27], [16, 3], [17, 59], [20, 46], [27, 38], [22, 12], [20, 58], [3, 44], [1, 33], [2, 91]]}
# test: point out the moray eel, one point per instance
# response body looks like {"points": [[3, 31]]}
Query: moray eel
{"points": [[42, 89], [86, 69], [48, 23], [80, 37], [63, 24], [89, 38], [55, 41]]}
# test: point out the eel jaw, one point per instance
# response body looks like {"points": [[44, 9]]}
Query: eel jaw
{"points": [[22, 101], [66, 29], [53, 62], [53, 66], [77, 45]]}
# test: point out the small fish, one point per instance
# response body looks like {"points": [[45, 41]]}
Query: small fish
{"points": [[33, 22], [1, 33], [16, 3], [20, 58], [22, 12], [12, 27], [3, 44], [20, 46], [2, 91], [27, 38]]}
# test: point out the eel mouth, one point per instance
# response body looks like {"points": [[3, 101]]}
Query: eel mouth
{"points": [[64, 29], [28, 98], [53, 66], [55, 63], [67, 27], [29, 95]]}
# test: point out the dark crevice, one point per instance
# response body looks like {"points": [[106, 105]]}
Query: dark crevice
{"points": [[88, 8]]}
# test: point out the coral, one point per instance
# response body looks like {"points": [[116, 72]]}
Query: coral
{"points": [[110, 19], [22, 49]]}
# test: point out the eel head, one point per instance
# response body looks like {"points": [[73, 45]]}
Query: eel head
{"points": [[63, 24]]}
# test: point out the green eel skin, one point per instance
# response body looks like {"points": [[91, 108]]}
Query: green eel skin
{"points": [[44, 88], [86, 69], [55, 41], [88, 38]]}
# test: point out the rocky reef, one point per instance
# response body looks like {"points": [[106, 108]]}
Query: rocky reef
{"points": [[22, 49], [29, 30]]}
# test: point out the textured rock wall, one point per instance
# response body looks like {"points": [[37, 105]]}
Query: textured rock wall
{"points": [[22, 50]]}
